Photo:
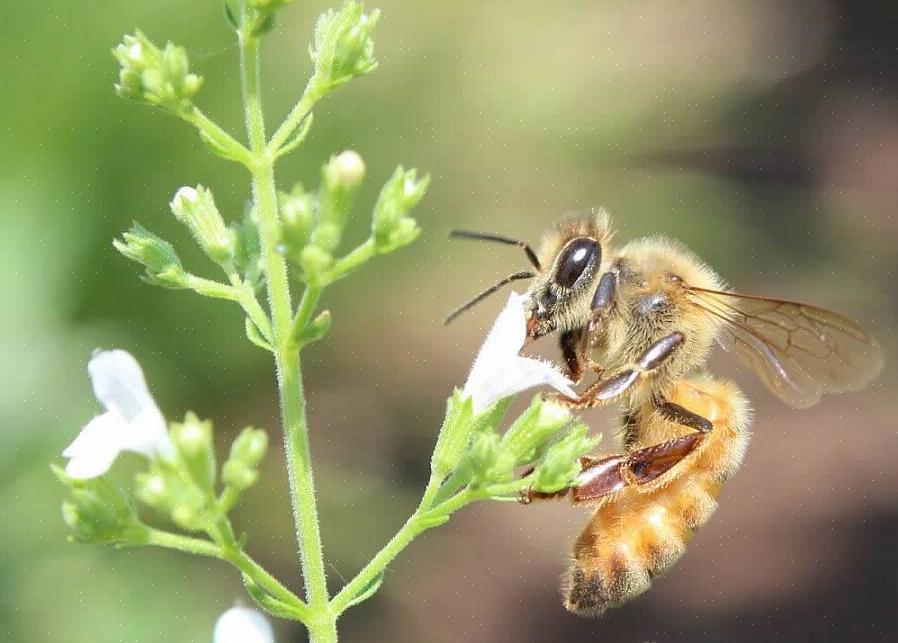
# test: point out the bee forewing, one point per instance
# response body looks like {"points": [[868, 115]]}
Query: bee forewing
{"points": [[799, 351]]}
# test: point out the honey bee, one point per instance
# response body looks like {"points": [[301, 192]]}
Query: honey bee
{"points": [[643, 318]]}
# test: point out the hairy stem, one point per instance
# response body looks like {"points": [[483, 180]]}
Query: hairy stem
{"points": [[419, 522], [321, 623]]}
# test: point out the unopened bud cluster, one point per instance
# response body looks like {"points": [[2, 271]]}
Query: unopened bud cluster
{"points": [[312, 223], [185, 490], [392, 228], [97, 512], [158, 76], [343, 48]]}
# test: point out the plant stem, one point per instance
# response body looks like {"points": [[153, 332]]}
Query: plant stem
{"points": [[186, 544], [322, 624], [419, 522]]}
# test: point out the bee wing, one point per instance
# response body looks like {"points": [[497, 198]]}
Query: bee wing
{"points": [[799, 351]]}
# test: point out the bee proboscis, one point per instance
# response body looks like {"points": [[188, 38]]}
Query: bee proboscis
{"points": [[643, 318]]}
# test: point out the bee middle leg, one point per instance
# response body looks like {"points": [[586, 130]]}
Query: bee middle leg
{"points": [[611, 387]]}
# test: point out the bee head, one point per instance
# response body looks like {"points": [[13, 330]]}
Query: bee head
{"points": [[555, 296]]}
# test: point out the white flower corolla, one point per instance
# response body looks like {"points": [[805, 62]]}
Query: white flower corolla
{"points": [[132, 421], [499, 371], [242, 625]]}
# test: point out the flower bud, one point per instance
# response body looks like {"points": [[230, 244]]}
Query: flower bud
{"points": [[97, 512], [343, 48], [314, 261], [159, 77], [297, 209], [529, 433], [346, 169], [489, 462], [163, 268], [391, 226], [560, 466], [247, 450], [195, 208], [193, 439], [171, 488], [454, 435], [315, 329]]}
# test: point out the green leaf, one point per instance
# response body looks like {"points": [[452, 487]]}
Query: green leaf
{"points": [[368, 591], [254, 335], [230, 17], [266, 601]]}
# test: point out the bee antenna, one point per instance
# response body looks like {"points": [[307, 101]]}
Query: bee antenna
{"points": [[486, 293], [480, 236]]}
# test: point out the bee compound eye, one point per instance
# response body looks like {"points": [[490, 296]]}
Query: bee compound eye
{"points": [[574, 260]]}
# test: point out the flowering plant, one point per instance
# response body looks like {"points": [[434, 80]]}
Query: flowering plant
{"points": [[289, 238]]}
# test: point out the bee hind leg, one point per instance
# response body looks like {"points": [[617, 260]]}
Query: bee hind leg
{"points": [[601, 477]]}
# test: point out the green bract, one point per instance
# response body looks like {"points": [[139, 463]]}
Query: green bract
{"points": [[163, 268]]}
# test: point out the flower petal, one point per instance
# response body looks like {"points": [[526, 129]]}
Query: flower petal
{"points": [[96, 447], [242, 625], [147, 434], [499, 371], [119, 383], [120, 386]]}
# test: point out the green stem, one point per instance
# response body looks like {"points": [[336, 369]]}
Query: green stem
{"points": [[322, 623], [419, 522], [186, 544], [345, 265], [224, 144], [246, 297], [312, 94]]}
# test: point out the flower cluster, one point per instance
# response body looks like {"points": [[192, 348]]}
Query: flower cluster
{"points": [[181, 476]]}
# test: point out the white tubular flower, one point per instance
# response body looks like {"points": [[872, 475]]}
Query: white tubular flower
{"points": [[242, 625], [499, 371], [132, 421]]}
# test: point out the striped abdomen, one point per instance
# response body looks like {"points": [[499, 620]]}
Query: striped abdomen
{"points": [[640, 531]]}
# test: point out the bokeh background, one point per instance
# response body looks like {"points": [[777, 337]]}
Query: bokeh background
{"points": [[763, 134]]}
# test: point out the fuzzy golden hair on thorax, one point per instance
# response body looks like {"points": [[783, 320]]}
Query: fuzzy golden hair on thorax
{"points": [[657, 254], [595, 224]]}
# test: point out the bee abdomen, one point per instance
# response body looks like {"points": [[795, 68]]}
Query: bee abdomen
{"points": [[641, 533]]}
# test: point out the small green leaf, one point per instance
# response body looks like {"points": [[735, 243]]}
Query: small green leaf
{"points": [[266, 601], [368, 591], [230, 17], [254, 335]]}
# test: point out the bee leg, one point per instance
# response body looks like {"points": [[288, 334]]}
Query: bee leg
{"points": [[609, 388], [681, 415], [602, 301], [607, 475], [574, 347]]}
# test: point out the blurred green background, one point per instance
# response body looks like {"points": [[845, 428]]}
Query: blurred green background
{"points": [[763, 134]]}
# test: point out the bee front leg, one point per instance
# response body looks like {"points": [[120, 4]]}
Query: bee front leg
{"points": [[574, 350], [618, 384]]}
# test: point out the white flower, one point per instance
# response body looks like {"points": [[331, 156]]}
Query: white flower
{"points": [[499, 371], [132, 421], [242, 625]]}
